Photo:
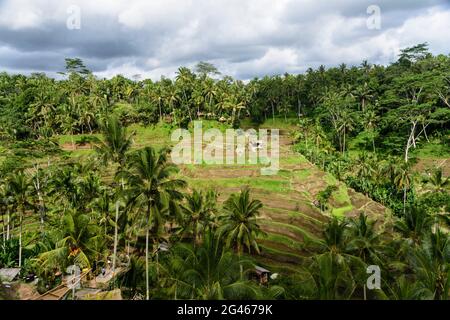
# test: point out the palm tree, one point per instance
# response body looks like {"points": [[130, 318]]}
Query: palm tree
{"points": [[346, 125], [208, 271], [414, 224], [40, 182], [403, 180], [439, 182], [171, 98], [239, 225], [363, 93], [116, 142], [336, 252], [151, 188], [370, 121], [185, 80], [79, 242], [199, 212], [404, 289], [133, 278], [20, 187], [365, 240], [326, 279], [157, 96], [431, 263]]}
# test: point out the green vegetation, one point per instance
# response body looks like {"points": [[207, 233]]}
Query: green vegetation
{"points": [[86, 179]]}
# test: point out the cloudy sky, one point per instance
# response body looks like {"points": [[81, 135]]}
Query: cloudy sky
{"points": [[244, 38]]}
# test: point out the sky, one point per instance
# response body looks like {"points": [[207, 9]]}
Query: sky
{"points": [[243, 38]]}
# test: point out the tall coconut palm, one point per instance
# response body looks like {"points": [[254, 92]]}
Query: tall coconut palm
{"points": [[336, 263], [365, 240], [326, 279], [116, 142], [209, 271], [370, 123], [239, 222], [363, 93], [114, 147], [20, 187], [431, 263], [403, 180], [150, 188], [346, 125], [199, 213], [414, 224]]}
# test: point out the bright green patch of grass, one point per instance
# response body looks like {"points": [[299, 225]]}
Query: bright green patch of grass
{"points": [[293, 159], [341, 195], [433, 149], [340, 212], [302, 174], [260, 183], [330, 179]]}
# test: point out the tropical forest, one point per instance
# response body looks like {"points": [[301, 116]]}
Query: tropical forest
{"points": [[92, 205]]}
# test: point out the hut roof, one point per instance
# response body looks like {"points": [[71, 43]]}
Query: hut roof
{"points": [[261, 270], [9, 274]]}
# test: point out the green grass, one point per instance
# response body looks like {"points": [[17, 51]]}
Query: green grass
{"points": [[293, 159], [341, 195], [155, 135], [68, 139], [434, 149], [280, 253], [279, 123], [288, 242], [260, 183], [340, 212], [293, 214], [330, 179], [303, 174], [295, 229]]}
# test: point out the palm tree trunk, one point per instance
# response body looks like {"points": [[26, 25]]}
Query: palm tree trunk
{"points": [[147, 231], [8, 225], [343, 145], [404, 200], [115, 238], [20, 238], [241, 269], [71, 138], [147, 290], [3, 227], [157, 260], [273, 111]]}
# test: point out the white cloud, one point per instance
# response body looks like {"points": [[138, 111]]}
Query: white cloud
{"points": [[244, 38]]}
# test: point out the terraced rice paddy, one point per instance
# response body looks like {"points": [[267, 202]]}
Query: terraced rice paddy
{"points": [[289, 217]]}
